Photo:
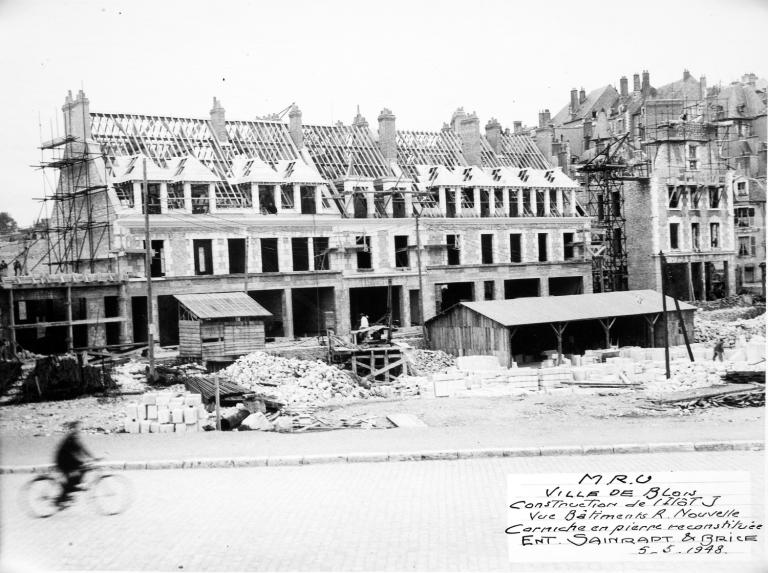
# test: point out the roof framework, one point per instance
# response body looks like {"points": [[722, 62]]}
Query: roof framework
{"points": [[343, 152], [518, 150], [428, 148], [162, 138]]}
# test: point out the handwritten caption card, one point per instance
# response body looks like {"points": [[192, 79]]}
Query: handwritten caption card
{"points": [[656, 516]]}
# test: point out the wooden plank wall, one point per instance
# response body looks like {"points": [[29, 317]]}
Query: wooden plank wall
{"points": [[224, 339], [463, 332], [189, 338]]}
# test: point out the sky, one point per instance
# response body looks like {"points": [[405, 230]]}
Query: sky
{"points": [[421, 59]]}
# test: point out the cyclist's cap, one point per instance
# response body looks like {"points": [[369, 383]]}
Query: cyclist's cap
{"points": [[73, 424]]}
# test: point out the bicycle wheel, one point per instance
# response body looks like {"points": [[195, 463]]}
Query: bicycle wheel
{"points": [[111, 494], [40, 495]]}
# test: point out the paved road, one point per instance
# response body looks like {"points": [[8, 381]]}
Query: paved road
{"points": [[441, 515]]}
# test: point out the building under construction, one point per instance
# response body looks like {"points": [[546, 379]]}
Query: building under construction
{"points": [[317, 223], [660, 168]]}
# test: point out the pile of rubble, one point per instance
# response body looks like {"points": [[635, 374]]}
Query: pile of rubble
{"points": [[426, 362], [131, 376], [729, 325], [294, 381]]}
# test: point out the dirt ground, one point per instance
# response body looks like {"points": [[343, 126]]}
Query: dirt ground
{"points": [[538, 412]]}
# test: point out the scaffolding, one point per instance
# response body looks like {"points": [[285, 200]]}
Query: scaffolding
{"points": [[603, 182], [79, 231]]}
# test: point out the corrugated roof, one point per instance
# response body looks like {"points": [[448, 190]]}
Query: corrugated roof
{"points": [[221, 305], [548, 309]]}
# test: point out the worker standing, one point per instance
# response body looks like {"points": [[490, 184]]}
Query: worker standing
{"points": [[718, 354]]}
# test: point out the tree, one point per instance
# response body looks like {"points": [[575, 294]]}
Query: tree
{"points": [[7, 223]]}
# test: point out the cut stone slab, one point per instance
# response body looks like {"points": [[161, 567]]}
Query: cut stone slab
{"points": [[406, 421]]}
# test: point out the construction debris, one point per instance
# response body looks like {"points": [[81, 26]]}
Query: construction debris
{"points": [[293, 381], [426, 362], [62, 378], [733, 395], [729, 324]]}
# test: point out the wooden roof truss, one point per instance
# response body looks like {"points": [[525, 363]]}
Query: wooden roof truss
{"points": [[343, 152], [517, 150], [428, 148]]}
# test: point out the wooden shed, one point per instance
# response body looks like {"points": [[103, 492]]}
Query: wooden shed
{"points": [[219, 326], [519, 330]]}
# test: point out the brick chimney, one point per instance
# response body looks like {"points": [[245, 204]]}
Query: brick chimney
{"points": [[218, 122], [388, 135], [493, 133], [703, 87], [624, 86], [646, 82], [458, 116], [77, 116], [636, 83], [544, 118], [686, 75], [517, 127], [359, 120], [469, 131], [294, 126], [582, 96], [574, 102]]}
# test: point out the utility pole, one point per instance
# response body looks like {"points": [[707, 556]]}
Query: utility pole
{"points": [[245, 263], [417, 212], [663, 265], [148, 275]]}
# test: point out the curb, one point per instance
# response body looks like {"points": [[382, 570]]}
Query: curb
{"points": [[429, 455]]}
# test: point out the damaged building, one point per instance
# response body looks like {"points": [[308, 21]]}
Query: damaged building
{"points": [[677, 169], [319, 224]]}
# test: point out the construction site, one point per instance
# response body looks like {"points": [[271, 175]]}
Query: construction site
{"points": [[221, 274]]}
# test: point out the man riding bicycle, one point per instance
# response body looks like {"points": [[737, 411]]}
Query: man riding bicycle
{"points": [[71, 458]]}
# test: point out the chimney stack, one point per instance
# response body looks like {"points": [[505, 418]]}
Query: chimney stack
{"points": [[218, 122], [359, 120], [624, 86], [458, 116], [471, 146], [77, 116], [703, 87], [574, 102], [544, 118], [388, 135], [646, 82], [517, 127], [294, 126], [493, 133], [582, 96], [686, 75], [636, 83]]}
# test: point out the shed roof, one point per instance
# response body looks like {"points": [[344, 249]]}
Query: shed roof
{"points": [[549, 309], [221, 305]]}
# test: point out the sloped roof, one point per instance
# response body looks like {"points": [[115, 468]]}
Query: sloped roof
{"points": [[190, 168], [221, 305], [550, 309], [688, 89], [740, 101], [604, 97]]}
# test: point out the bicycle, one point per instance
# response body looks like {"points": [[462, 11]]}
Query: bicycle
{"points": [[110, 493]]}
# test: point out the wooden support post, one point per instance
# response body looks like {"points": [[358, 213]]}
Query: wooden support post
{"points": [[12, 321], [607, 324], [218, 404], [559, 328], [148, 275], [70, 330], [354, 364], [386, 366], [662, 262], [682, 327], [651, 323]]}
